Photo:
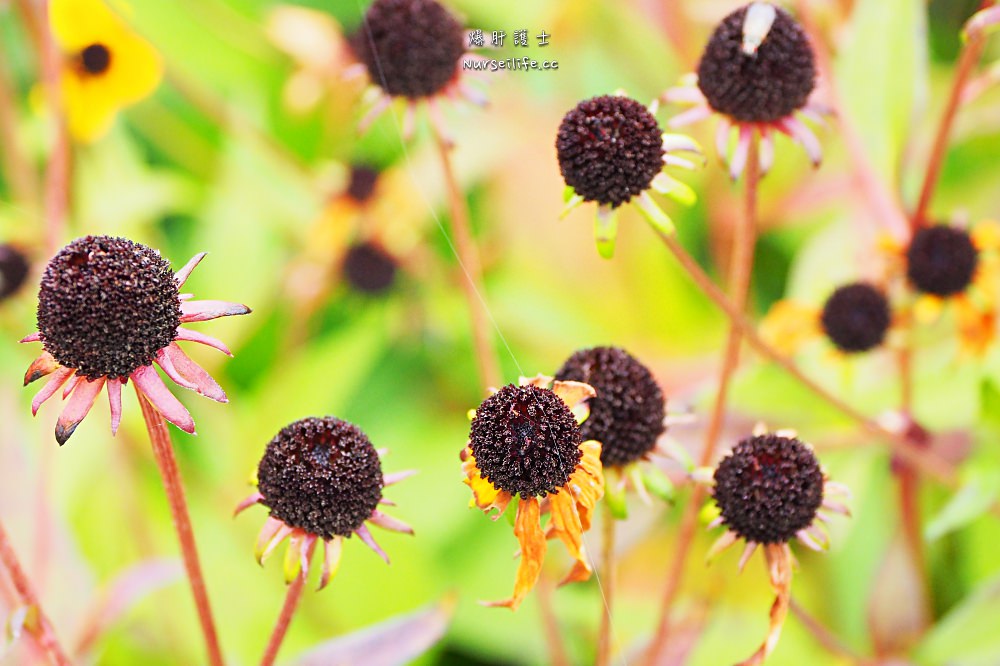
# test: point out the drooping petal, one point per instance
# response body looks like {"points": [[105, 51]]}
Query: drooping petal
{"points": [[77, 408], [188, 335], [389, 523], [779, 564], [692, 115], [183, 274], [484, 494], [587, 481], [247, 502], [192, 373], [149, 382], [115, 403], [369, 540], [799, 131], [42, 366], [565, 525], [51, 387], [605, 230], [71, 385], [168, 367], [721, 544], [528, 530], [34, 337], [299, 555], [653, 214], [396, 477], [766, 156], [739, 160], [331, 560], [271, 534], [748, 552], [205, 310]]}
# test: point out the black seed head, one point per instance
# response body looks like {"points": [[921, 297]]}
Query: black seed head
{"points": [[361, 184], [856, 317], [410, 47], [95, 59], [106, 306], [768, 488], [14, 269], [369, 269], [941, 260], [525, 440], [321, 475], [761, 86], [627, 414], [609, 149]]}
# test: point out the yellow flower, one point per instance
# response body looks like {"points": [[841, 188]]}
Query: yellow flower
{"points": [[106, 66]]}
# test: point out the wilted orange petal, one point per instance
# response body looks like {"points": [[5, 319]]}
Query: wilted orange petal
{"points": [[586, 483], [528, 530], [484, 494], [779, 564], [566, 525], [573, 393]]}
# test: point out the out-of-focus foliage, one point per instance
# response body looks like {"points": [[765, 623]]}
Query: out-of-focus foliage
{"points": [[215, 161]]}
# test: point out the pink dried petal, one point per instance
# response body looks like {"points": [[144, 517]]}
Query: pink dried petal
{"points": [[205, 310], [77, 408], [182, 275], [194, 374], [194, 336], [162, 399], [58, 378], [366, 536], [42, 366], [389, 523], [115, 402]]}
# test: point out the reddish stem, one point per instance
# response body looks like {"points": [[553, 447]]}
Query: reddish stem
{"points": [[166, 462], [553, 637], [41, 628], [823, 635], [292, 597], [741, 270], [468, 258], [966, 63], [57, 184]]}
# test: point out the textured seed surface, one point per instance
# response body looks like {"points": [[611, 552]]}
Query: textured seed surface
{"points": [[107, 305], [609, 148], [760, 87], [627, 414], [768, 488], [525, 440], [321, 475]]}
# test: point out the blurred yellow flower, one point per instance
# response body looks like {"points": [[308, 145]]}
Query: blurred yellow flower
{"points": [[106, 66]]}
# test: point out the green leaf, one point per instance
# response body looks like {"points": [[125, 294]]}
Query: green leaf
{"points": [[966, 636], [972, 500]]}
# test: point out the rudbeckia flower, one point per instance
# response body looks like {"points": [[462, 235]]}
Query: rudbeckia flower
{"points": [[108, 308], [321, 479], [106, 66], [757, 72], [948, 264], [611, 152], [627, 417], [770, 490], [525, 442], [855, 318], [415, 50]]}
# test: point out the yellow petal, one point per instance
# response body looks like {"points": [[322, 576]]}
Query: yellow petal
{"points": [[484, 494], [566, 525], [586, 483], [528, 530], [789, 325], [927, 309], [79, 23], [986, 235], [976, 327], [573, 393]]}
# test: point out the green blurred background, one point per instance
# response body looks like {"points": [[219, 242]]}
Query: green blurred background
{"points": [[216, 161]]}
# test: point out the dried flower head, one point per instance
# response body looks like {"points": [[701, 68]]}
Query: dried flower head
{"points": [[611, 151], [525, 441], [757, 69], [627, 415], [14, 269], [411, 48], [609, 148], [941, 260], [770, 490], [361, 183], [856, 317], [757, 72], [108, 308], [321, 479], [369, 269]]}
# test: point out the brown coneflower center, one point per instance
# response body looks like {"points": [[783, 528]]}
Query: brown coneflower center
{"points": [[627, 414], [609, 148], [95, 59], [369, 269], [13, 270], [525, 440], [107, 305], [411, 48], [856, 317], [768, 488], [321, 475], [941, 260]]}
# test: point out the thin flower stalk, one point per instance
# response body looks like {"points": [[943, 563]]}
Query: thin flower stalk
{"points": [[468, 257], [288, 609], [167, 464], [608, 587], [741, 269], [39, 626]]}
